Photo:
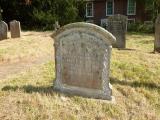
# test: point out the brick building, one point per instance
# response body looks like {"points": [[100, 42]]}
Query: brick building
{"points": [[97, 11]]}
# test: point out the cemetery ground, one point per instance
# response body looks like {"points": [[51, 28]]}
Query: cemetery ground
{"points": [[27, 73]]}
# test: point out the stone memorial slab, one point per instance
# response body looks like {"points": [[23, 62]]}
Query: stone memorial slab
{"points": [[56, 25], [15, 29], [3, 30], [117, 25], [82, 58], [157, 35]]}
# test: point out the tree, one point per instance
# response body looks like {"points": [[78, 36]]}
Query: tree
{"points": [[49, 11], [42, 13], [153, 6]]}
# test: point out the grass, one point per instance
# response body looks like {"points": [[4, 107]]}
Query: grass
{"points": [[30, 45], [135, 76]]}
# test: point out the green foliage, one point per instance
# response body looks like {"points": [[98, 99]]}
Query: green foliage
{"points": [[153, 6], [142, 28], [45, 13], [42, 14]]}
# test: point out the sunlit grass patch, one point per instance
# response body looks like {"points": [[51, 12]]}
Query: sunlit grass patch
{"points": [[30, 45], [142, 42]]}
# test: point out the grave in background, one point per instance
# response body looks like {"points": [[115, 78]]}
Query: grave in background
{"points": [[157, 35], [15, 29], [117, 25], [3, 30]]}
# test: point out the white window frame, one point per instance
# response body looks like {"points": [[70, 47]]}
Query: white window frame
{"points": [[107, 8], [92, 9], [104, 21], [131, 19], [134, 8]]}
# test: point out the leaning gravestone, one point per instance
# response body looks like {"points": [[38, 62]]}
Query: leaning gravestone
{"points": [[15, 29], [82, 58], [3, 30], [117, 25], [157, 35]]}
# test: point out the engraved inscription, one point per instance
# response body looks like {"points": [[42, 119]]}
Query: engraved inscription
{"points": [[82, 61], [115, 25]]}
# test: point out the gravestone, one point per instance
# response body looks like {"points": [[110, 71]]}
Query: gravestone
{"points": [[117, 25], [157, 35], [82, 58], [15, 29], [0, 14], [3, 30], [56, 25]]}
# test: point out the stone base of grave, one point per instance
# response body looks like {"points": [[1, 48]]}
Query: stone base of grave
{"points": [[112, 101], [85, 92], [157, 50], [119, 46]]}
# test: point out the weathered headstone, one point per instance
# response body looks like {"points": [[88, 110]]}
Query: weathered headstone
{"points": [[157, 35], [82, 58], [15, 29], [117, 25], [3, 30], [0, 14], [1, 11], [56, 25]]}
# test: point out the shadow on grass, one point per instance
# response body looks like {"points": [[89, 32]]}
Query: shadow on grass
{"points": [[147, 42], [48, 90], [5, 39], [127, 49], [51, 90], [31, 89], [136, 84], [29, 34]]}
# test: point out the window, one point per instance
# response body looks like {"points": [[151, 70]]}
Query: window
{"points": [[104, 23], [89, 9], [131, 9], [110, 7]]}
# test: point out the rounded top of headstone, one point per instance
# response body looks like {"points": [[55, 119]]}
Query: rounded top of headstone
{"points": [[118, 17], [2, 22], [14, 21], [88, 27]]}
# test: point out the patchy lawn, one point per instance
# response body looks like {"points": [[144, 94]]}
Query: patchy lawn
{"points": [[30, 45], [135, 76]]}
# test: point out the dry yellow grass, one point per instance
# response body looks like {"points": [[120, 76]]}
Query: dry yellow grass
{"points": [[135, 76], [30, 45]]}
